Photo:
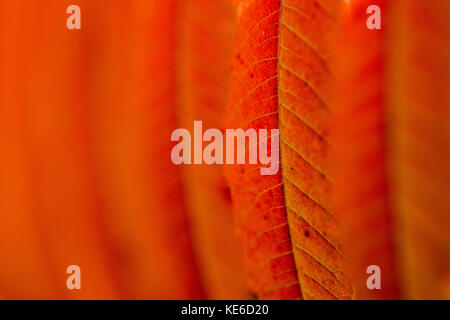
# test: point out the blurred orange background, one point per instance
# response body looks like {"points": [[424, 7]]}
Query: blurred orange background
{"points": [[86, 176]]}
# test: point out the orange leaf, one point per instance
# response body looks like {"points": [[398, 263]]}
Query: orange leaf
{"points": [[205, 32], [361, 188], [133, 102], [281, 79], [420, 145]]}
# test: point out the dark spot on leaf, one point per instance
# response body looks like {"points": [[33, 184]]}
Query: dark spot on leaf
{"points": [[225, 190], [306, 233], [227, 193], [253, 295]]}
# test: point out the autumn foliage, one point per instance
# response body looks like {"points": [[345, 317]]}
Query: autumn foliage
{"points": [[87, 179]]}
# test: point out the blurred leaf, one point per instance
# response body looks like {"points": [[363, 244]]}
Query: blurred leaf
{"points": [[205, 34], [361, 191], [420, 153]]}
